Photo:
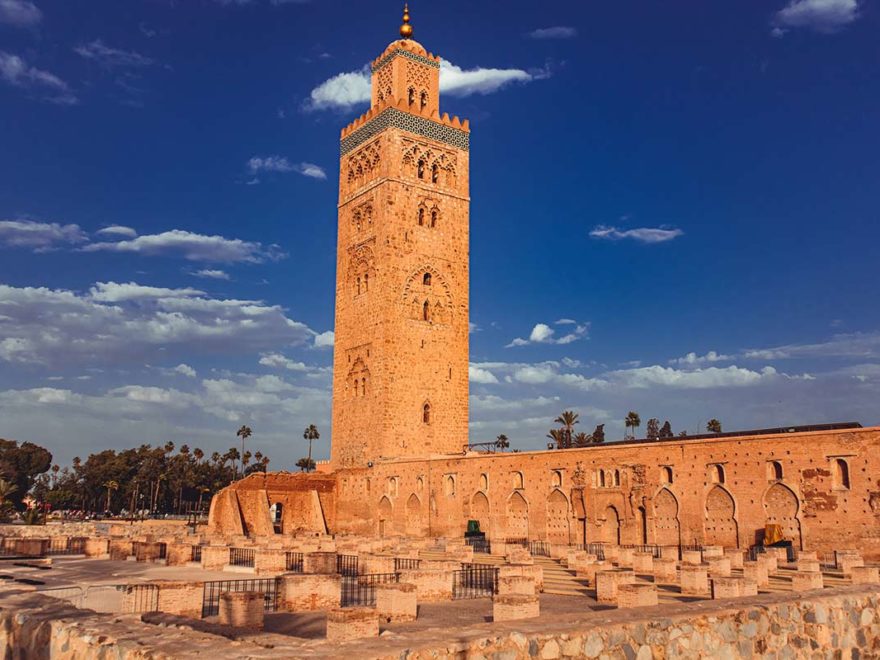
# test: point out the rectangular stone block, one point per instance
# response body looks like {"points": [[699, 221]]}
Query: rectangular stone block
{"points": [[516, 584], [397, 601], [865, 574], [534, 571], [575, 556], [270, 561], [510, 607], [625, 558], [806, 581], [805, 554], [178, 554], [769, 560], [727, 587], [749, 587], [518, 555], [242, 609], [431, 586], [719, 566], [310, 593], [636, 595], [711, 551], [665, 570], [215, 557], [588, 571], [757, 571], [694, 580], [781, 555], [643, 562], [97, 548], [321, 563], [181, 598], [848, 562], [371, 564], [669, 552], [808, 565], [735, 556], [607, 583], [692, 557], [352, 623], [610, 551]]}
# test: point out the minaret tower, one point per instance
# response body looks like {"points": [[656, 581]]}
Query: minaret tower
{"points": [[400, 364]]}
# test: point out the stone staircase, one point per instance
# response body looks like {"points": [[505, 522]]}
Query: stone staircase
{"points": [[561, 581]]}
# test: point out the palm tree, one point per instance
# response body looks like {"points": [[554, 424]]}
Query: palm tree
{"points": [[202, 491], [169, 447], [258, 456], [311, 433], [713, 426], [198, 454], [245, 459], [184, 450], [653, 429], [633, 421], [581, 439], [55, 470], [232, 456], [501, 442], [557, 436], [110, 486], [305, 464], [598, 435], [244, 433], [568, 419]]}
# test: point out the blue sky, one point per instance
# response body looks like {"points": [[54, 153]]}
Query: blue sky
{"points": [[674, 211]]}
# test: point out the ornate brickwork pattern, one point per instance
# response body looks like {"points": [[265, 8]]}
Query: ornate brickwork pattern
{"points": [[394, 118], [408, 55]]}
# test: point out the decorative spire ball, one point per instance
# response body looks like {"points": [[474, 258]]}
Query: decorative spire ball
{"points": [[406, 30]]}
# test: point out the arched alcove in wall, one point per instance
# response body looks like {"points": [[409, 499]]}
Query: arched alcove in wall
{"points": [[386, 516], [666, 525], [480, 512], [517, 517], [558, 518], [414, 516], [610, 530], [781, 508], [720, 522]]}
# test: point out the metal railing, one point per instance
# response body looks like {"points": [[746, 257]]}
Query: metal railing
{"points": [[539, 548], [653, 549], [524, 542], [480, 545], [140, 598], [293, 562], [406, 564], [597, 549], [69, 546], [756, 550], [360, 590], [242, 557], [269, 587], [139, 550], [474, 581], [347, 565], [196, 554]]}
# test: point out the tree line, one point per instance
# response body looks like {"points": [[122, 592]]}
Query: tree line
{"points": [[564, 436]]}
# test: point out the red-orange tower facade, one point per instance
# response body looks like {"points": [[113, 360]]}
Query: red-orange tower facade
{"points": [[400, 366]]}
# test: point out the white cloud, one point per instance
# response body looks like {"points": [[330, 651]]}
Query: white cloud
{"points": [[346, 90], [56, 327], [279, 361], [113, 292], [850, 345], [109, 57], [20, 13], [280, 164], [185, 370], [194, 247], [117, 230], [15, 71], [212, 274], [557, 32], [325, 339], [824, 16], [642, 234], [544, 334], [481, 376], [40, 236], [692, 359], [710, 377]]}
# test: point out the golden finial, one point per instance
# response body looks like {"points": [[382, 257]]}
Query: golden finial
{"points": [[406, 30]]}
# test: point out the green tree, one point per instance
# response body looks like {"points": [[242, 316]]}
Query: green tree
{"points": [[598, 435], [244, 433], [666, 430], [567, 419], [558, 437], [632, 421], [501, 442], [110, 486], [310, 434], [305, 464], [713, 426], [582, 439], [652, 429]]}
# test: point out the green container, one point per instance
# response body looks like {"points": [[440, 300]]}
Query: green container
{"points": [[473, 527]]}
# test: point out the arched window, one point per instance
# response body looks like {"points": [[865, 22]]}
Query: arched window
{"points": [[412, 96], [774, 471], [359, 286], [426, 279], [601, 478], [366, 281], [484, 482], [356, 384], [433, 218], [450, 485], [518, 481], [421, 169], [556, 479], [435, 173], [666, 475], [426, 413], [424, 99], [717, 473], [364, 387], [421, 217], [426, 311], [841, 474], [617, 477]]}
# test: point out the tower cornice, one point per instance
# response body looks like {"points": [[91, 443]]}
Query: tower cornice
{"points": [[452, 131]]}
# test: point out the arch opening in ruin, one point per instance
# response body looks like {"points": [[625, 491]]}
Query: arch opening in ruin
{"points": [[781, 508], [720, 526], [558, 518], [480, 512], [667, 529], [414, 516], [386, 517], [517, 517], [610, 529]]}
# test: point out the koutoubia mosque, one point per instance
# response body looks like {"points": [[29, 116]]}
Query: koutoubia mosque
{"points": [[400, 463]]}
